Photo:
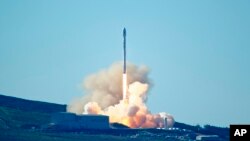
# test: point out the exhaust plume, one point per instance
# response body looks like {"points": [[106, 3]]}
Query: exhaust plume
{"points": [[104, 95]]}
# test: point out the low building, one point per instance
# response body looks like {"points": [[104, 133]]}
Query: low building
{"points": [[71, 121], [207, 138]]}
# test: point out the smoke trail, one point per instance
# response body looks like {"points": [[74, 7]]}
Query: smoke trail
{"points": [[104, 95]]}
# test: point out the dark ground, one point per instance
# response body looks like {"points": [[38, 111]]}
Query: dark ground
{"points": [[25, 120]]}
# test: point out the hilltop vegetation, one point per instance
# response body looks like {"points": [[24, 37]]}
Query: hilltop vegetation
{"points": [[30, 105], [18, 113]]}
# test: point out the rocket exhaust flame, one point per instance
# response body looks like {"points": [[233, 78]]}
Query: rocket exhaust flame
{"points": [[124, 85], [123, 99], [104, 95]]}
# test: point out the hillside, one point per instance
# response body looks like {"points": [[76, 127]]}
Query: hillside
{"points": [[30, 105], [18, 113], [26, 120]]}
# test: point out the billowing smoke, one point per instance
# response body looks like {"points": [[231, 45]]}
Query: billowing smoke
{"points": [[104, 95]]}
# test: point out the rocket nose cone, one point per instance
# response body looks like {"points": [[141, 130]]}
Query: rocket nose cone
{"points": [[124, 31]]}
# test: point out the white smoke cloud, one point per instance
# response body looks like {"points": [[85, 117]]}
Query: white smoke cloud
{"points": [[104, 96]]}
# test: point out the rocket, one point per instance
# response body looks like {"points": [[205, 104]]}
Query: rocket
{"points": [[124, 76], [124, 51]]}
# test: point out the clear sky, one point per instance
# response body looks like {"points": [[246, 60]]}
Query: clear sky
{"points": [[198, 52]]}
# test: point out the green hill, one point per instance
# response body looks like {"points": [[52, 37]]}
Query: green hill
{"points": [[18, 113], [30, 105]]}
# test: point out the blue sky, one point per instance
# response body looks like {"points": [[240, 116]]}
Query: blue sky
{"points": [[198, 52]]}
